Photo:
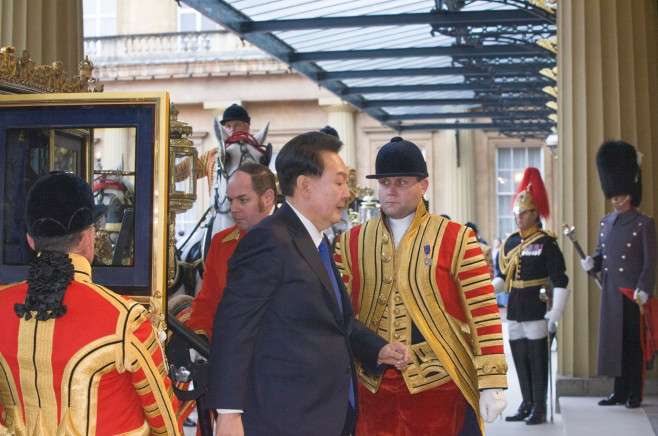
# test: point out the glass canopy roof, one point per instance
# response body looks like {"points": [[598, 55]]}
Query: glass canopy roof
{"points": [[415, 64]]}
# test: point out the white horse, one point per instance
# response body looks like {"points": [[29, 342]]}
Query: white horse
{"points": [[232, 151]]}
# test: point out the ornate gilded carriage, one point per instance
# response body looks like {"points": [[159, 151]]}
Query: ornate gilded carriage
{"points": [[50, 120]]}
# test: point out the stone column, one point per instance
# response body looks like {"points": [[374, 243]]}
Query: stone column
{"points": [[51, 30], [341, 118], [608, 89], [458, 150]]}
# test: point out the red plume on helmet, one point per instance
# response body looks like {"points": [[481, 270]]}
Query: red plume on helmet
{"points": [[532, 194]]}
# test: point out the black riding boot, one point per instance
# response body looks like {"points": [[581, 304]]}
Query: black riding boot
{"points": [[520, 354], [538, 351]]}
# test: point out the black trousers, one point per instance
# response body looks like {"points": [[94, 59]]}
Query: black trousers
{"points": [[350, 421], [630, 383]]}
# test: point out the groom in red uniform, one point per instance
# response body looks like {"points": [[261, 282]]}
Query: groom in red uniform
{"points": [[76, 358]]}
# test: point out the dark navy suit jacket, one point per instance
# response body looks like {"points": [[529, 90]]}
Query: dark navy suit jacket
{"points": [[281, 349]]}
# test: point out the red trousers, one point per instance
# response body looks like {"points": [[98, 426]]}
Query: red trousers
{"points": [[393, 411]]}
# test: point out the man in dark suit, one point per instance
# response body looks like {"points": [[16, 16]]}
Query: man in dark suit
{"points": [[284, 335]]}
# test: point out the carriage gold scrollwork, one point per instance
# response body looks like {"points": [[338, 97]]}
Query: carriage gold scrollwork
{"points": [[22, 75]]}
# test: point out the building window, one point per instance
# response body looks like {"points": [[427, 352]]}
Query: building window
{"points": [[511, 162], [190, 20], [99, 17]]}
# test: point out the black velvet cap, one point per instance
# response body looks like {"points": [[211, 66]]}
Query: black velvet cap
{"points": [[60, 204], [399, 158], [235, 112], [619, 170]]}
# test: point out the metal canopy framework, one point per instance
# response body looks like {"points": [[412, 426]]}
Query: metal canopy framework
{"points": [[410, 63]]}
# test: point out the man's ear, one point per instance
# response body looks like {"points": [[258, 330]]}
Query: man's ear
{"points": [[269, 198], [30, 241], [424, 185], [303, 183]]}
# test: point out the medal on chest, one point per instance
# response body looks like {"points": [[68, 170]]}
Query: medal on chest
{"points": [[428, 258]]}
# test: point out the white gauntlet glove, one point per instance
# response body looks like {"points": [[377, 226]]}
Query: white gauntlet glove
{"points": [[499, 285], [560, 297], [587, 263], [492, 404]]}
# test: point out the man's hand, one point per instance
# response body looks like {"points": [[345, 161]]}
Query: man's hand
{"points": [[641, 296], [587, 263], [492, 404], [560, 297], [229, 424], [395, 353], [499, 285]]}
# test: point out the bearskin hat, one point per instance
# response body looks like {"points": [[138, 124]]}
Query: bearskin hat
{"points": [[619, 170]]}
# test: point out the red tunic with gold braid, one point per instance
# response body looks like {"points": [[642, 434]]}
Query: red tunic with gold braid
{"points": [[432, 293], [97, 370], [204, 305]]}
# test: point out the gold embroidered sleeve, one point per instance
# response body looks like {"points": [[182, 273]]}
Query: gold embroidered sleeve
{"points": [[145, 359], [482, 315], [342, 259]]}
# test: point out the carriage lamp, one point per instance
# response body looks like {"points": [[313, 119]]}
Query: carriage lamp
{"points": [[369, 208], [182, 179]]}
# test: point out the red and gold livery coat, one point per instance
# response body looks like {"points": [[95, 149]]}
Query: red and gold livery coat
{"points": [[438, 281], [97, 370]]}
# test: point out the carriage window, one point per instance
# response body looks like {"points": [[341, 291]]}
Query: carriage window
{"points": [[114, 186], [30, 154], [110, 151]]}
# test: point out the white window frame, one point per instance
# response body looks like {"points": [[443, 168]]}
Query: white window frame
{"points": [[97, 19], [505, 222]]}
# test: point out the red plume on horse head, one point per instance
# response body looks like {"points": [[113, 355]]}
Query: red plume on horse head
{"points": [[532, 194]]}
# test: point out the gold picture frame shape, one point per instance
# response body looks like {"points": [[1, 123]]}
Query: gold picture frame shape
{"points": [[105, 111]]}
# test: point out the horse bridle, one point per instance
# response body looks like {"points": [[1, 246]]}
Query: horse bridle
{"points": [[236, 138]]}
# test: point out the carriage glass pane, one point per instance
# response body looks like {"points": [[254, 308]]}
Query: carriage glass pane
{"points": [[114, 186], [32, 153], [184, 173]]}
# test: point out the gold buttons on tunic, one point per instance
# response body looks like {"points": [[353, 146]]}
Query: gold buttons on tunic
{"points": [[396, 336], [373, 322], [384, 238], [605, 269], [382, 299], [634, 233], [602, 224], [387, 278], [396, 311], [397, 298], [628, 245], [386, 257], [621, 269], [602, 245], [623, 256], [601, 233], [396, 324], [605, 256]]}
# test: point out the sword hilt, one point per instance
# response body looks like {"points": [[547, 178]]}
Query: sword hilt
{"points": [[568, 231]]}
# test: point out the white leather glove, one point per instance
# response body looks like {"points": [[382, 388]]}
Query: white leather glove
{"points": [[643, 296], [587, 263], [499, 285], [560, 297], [492, 404], [196, 357]]}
